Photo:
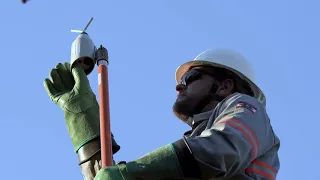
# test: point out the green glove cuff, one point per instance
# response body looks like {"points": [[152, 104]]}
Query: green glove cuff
{"points": [[83, 122], [161, 163]]}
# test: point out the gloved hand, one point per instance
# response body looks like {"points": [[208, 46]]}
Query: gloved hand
{"points": [[71, 91], [161, 163]]}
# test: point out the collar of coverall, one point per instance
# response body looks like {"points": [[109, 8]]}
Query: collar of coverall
{"points": [[197, 118]]}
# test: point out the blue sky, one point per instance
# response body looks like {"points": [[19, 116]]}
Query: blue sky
{"points": [[147, 41]]}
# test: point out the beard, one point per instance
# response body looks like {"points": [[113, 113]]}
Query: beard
{"points": [[183, 108]]}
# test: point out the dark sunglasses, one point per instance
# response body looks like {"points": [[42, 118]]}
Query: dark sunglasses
{"points": [[190, 76]]}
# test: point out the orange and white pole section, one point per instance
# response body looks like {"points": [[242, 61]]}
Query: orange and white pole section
{"points": [[105, 130]]}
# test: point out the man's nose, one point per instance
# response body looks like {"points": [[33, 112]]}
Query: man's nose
{"points": [[180, 87]]}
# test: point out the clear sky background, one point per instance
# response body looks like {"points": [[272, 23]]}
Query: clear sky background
{"points": [[147, 41]]}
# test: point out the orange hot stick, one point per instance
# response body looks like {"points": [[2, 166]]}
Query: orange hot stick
{"points": [[105, 130]]}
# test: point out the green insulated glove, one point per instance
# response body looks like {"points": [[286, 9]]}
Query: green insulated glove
{"points": [[161, 163], [72, 92]]}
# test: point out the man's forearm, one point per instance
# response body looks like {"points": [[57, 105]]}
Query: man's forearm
{"points": [[89, 157]]}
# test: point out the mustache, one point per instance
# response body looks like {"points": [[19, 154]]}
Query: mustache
{"points": [[181, 93]]}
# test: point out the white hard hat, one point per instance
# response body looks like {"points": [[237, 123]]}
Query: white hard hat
{"points": [[228, 59]]}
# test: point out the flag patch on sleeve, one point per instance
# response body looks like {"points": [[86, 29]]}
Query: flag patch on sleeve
{"points": [[247, 106]]}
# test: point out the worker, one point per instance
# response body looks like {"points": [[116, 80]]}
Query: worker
{"points": [[230, 134]]}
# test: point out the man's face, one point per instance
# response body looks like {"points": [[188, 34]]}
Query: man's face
{"points": [[194, 87]]}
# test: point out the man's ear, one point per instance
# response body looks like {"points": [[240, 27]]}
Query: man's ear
{"points": [[226, 87]]}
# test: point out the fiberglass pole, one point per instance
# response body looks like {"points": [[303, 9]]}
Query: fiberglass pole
{"points": [[105, 130]]}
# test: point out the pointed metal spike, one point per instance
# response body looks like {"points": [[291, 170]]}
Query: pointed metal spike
{"points": [[88, 24]]}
